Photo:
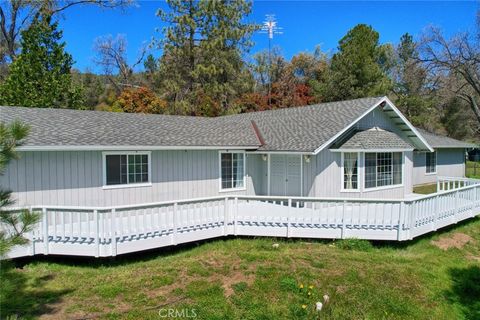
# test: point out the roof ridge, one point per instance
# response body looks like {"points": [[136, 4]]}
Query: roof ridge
{"points": [[300, 107]]}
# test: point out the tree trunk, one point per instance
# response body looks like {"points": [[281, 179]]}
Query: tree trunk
{"points": [[474, 106]]}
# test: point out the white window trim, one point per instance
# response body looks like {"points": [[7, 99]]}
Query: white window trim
{"points": [[434, 172], [391, 186], [342, 189], [220, 189], [128, 185]]}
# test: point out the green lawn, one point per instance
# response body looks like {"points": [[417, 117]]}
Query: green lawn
{"points": [[249, 279], [472, 169], [425, 189]]}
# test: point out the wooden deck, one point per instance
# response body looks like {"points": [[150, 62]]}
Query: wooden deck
{"points": [[109, 231]]}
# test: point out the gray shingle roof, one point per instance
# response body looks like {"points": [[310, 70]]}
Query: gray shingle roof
{"points": [[301, 129], [63, 127], [304, 129], [375, 139], [437, 141]]}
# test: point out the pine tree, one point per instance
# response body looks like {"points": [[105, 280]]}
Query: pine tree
{"points": [[410, 84], [359, 67], [203, 47], [18, 222], [40, 76]]}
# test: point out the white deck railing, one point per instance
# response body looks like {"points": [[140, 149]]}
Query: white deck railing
{"points": [[108, 231], [449, 183]]}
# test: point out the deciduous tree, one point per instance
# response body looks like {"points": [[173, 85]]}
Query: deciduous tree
{"points": [[457, 59], [140, 100], [17, 15]]}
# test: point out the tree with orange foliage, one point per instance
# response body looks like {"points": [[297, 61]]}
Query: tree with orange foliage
{"points": [[140, 100]]}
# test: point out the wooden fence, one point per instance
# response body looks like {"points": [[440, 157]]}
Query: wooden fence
{"points": [[108, 231]]}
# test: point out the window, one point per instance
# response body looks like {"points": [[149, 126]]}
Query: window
{"points": [[383, 169], [232, 170], [123, 169], [431, 162], [350, 171]]}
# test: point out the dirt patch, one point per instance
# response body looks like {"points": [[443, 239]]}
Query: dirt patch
{"points": [[236, 277], [457, 240], [472, 257]]}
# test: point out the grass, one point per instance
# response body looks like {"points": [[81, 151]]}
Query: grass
{"points": [[246, 278], [425, 189], [472, 169]]}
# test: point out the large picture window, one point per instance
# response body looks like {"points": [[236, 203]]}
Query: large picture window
{"points": [[383, 169], [350, 171], [125, 169], [232, 169], [431, 162]]}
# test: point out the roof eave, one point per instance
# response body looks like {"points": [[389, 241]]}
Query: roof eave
{"points": [[409, 125], [372, 150], [129, 148]]}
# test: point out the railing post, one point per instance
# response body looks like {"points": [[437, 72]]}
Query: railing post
{"points": [[401, 219], [455, 218], [32, 237], [438, 184], [174, 221], [225, 215], [435, 213], [45, 230], [97, 233], [344, 225], [288, 216], [474, 205], [113, 234], [236, 216], [412, 212]]}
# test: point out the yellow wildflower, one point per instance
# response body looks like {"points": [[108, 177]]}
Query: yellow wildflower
{"points": [[301, 286], [310, 287], [304, 306], [309, 293]]}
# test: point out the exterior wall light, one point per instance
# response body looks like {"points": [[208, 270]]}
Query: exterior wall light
{"points": [[307, 158]]}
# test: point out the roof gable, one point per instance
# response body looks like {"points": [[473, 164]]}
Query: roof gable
{"points": [[373, 139], [304, 129]]}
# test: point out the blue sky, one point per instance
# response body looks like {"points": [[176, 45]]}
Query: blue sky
{"points": [[305, 23]]}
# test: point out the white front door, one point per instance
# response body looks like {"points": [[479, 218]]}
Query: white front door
{"points": [[285, 175]]}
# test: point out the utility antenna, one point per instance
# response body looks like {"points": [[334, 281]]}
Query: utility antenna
{"points": [[270, 27]]}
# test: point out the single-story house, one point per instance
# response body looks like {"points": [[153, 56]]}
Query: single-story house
{"points": [[363, 148]]}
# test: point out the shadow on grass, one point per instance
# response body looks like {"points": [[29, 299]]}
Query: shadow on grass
{"points": [[24, 297], [465, 290], [123, 260], [148, 255]]}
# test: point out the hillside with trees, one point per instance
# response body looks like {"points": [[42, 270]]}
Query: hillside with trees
{"points": [[201, 64]]}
